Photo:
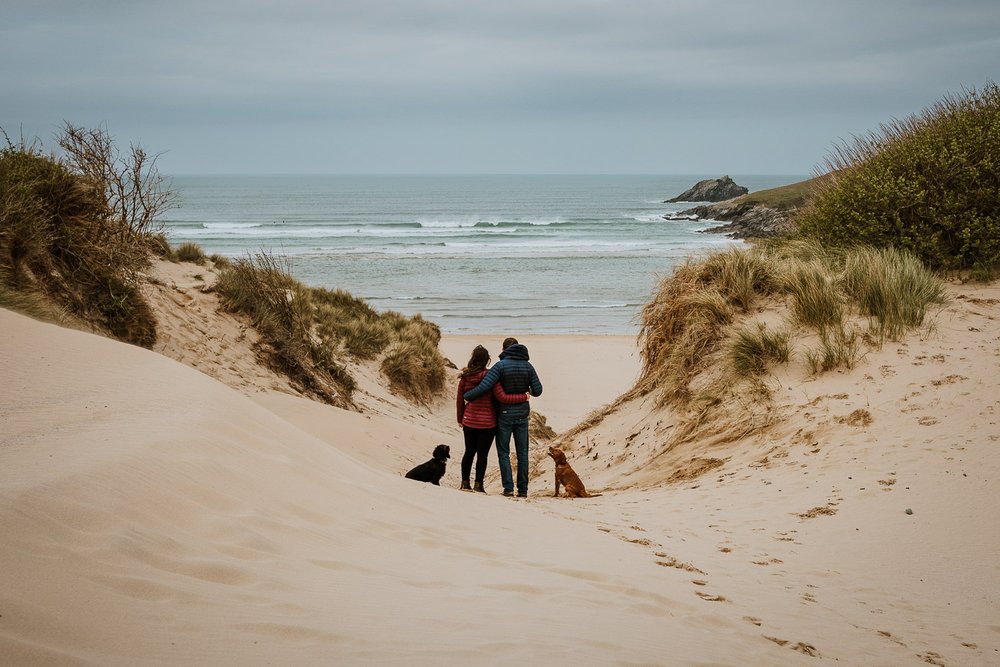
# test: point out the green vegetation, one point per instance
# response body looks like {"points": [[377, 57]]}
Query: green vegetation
{"points": [[307, 328], [928, 184], [891, 286], [815, 300], [77, 229]]}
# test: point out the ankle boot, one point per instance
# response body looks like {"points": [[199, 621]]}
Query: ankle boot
{"points": [[478, 488], [465, 485]]}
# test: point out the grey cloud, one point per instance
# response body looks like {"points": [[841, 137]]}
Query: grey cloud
{"points": [[178, 73]]}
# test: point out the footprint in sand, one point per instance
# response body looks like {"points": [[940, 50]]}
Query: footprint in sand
{"points": [[801, 647], [765, 561], [709, 597], [888, 635], [932, 658], [950, 379], [670, 561]]}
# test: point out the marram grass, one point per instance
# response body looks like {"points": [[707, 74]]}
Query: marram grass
{"points": [[694, 321]]}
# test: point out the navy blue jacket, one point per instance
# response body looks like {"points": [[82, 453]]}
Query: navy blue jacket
{"points": [[516, 375]]}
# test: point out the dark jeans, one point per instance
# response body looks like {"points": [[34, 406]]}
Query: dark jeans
{"points": [[518, 427], [477, 446]]}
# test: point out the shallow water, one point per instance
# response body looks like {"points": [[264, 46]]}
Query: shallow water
{"points": [[543, 254]]}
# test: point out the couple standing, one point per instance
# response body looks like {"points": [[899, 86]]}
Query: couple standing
{"points": [[494, 403]]}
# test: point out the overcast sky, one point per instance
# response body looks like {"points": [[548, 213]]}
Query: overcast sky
{"points": [[455, 86]]}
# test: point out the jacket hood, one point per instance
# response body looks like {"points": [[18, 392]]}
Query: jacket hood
{"points": [[515, 351]]}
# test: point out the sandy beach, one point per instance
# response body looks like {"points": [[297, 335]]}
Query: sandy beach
{"points": [[152, 514]]}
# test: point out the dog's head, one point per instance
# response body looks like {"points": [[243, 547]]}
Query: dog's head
{"points": [[557, 455], [442, 452]]}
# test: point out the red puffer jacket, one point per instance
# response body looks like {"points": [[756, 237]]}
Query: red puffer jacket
{"points": [[480, 413]]}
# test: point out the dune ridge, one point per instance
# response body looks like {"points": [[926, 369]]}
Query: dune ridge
{"points": [[153, 515]]}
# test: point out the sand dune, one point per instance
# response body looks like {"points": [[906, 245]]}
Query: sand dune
{"points": [[152, 515]]}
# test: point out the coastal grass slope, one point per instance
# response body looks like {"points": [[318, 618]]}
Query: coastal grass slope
{"points": [[78, 234]]}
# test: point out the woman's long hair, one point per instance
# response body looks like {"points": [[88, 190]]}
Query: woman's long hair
{"points": [[479, 360]]}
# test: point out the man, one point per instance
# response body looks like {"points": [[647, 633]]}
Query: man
{"points": [[517, 376]]}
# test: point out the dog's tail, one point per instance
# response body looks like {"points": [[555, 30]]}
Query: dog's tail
{"points": [[593, 495]]}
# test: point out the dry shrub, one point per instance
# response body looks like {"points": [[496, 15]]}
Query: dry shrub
{"points": [[79, 228], [309, 328]]}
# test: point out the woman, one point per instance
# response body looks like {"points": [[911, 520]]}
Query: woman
{"points": [[478, 418]]}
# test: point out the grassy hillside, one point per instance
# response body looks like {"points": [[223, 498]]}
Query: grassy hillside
{"points": [[787, 197]]}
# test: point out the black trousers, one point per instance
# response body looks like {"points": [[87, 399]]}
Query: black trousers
{"points": [[477, 446]]}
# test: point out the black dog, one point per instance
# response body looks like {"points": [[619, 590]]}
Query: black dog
{"points": [[433, 470]]}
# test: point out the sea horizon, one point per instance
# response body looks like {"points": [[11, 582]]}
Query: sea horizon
{"points": [[474, 253]]}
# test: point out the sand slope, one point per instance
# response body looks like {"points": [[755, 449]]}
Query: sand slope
{"points": [[152, 515], [804, 526]]}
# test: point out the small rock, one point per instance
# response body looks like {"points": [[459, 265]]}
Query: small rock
{"points": [[711, 189], [909, 511]]}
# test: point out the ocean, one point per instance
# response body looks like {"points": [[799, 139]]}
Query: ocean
{"points": [[474, 254]]}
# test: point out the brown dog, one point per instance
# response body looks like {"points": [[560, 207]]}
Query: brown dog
{"points": [[567, 477]]}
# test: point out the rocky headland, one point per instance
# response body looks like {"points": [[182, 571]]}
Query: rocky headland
{"points": [[763, 214], [744, 219]]}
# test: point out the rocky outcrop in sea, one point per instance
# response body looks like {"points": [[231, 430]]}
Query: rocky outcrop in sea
{"points": [[712, 189], [745, 220]]}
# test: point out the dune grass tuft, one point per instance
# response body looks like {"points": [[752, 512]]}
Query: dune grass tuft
{"points": [[839, 348], [815, 300], [741, 277], [892, 287], [281, 310], [752, 349], [189, 252]]}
